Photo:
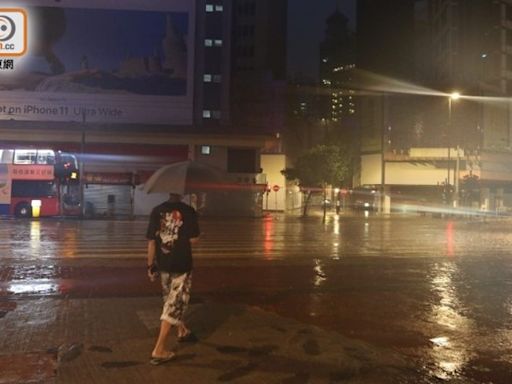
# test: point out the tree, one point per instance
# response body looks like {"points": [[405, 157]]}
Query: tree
{"points": [[320, 166], [470, 189]]}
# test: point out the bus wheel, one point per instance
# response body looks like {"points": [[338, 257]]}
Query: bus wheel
{"points": [[23, 210]]}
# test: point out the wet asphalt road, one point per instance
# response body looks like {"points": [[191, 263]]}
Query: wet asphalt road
{"points": [[437, 290]]}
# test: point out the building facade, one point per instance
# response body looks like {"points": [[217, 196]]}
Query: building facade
{"points": [[258, 61], [472, 53], [385, 57], [426, 51], [128, 100], [337, 64]]}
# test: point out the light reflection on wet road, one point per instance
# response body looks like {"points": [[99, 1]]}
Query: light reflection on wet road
{"points": [[270, 239], [437, 290]]}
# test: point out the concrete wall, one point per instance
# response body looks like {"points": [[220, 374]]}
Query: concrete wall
{"points": [[415, 174], [371, 170], [402, 173]]}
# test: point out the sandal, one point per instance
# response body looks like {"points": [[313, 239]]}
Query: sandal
{"points": [[161, 360], [188, 338]]}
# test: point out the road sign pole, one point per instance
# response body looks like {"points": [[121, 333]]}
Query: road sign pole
{"points": [[275, 188]]}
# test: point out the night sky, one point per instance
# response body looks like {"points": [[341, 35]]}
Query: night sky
{"points": [[306, 27]]}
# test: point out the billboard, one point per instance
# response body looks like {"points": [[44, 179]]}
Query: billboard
{"points": [[103, 61]]}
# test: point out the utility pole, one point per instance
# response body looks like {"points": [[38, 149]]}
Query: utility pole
{"points": [[384, 131], [81, 165]]}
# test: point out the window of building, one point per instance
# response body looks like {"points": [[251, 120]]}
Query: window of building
{"points": [[217, 78], [208, 42], [211, 114], [206, 150], [219, 8], [209, 8], [218, 43], [207, 78]]}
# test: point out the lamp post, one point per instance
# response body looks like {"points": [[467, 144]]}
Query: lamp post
{"points": [[454, 96]]}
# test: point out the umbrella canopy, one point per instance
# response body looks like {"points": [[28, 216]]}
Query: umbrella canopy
{"points": [[186, 177]]}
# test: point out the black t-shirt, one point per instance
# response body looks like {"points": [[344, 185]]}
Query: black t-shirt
{"points": [[171, 225]]}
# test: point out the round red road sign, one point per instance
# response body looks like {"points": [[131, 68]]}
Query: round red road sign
{"points": [[275, 188]]}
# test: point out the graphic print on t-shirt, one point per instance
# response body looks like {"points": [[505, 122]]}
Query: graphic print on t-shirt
{"points": [[170, 224]]}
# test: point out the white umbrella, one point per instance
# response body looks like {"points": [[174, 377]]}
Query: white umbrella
{"points": [[186, 177]]}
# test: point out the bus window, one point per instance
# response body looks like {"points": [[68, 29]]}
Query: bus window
{"points": [[45, 156], [33, 189], [25, 156], [6, 156]]}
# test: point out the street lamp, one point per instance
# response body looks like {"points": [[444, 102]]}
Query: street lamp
{"points": [[454, 96]]}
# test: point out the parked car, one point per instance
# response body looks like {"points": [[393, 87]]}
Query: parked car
{"points": [[363, 199]]}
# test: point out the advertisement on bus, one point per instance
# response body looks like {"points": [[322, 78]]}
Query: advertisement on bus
{"points": [[143, 72], [5, 188]]}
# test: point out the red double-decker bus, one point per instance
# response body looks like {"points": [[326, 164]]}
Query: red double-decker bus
{"points": [[36, 182]]}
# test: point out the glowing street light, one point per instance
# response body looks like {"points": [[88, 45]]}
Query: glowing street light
{"points": [[454, 96]]}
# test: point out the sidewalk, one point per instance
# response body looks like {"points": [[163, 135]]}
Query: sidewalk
{"points": [[109, 341]]}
